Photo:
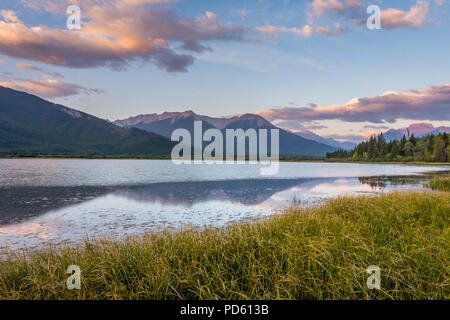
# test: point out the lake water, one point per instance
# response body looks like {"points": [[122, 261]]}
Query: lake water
{"points": [[65, 201]]}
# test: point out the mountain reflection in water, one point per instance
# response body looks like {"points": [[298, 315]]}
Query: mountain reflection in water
{"points": [[33, 216]]}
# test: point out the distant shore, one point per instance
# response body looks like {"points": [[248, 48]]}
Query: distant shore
{"points": [[286, 159]]}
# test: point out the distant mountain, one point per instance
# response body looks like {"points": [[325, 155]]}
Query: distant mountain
{"points": [[30, 125], [346, 145], [165, 123], [145, 119], [418, 129]]}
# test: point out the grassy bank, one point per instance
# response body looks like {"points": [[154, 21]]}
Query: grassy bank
{"points": [[319, 253]]}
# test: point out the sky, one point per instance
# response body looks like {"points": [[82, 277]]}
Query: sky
{"points": [[304, 65]]}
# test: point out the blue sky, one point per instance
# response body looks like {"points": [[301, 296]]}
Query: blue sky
{"points": [[243, 69]]}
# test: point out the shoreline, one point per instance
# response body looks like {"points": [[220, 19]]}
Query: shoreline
{"points": [[415, 163]]}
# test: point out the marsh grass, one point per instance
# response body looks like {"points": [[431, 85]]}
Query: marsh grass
{"points": [[440, 183], [315, 253]]}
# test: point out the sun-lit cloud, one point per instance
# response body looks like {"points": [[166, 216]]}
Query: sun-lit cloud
{"points": [[327, 32], [9, 16], [113, 34], [29, 67], [24, 66], [356, 138], [48, 88], [374, 127], [306, 31], [61, 5], [351, 13], [414, 18], [295, 126], [349, 8], [432, 103]]}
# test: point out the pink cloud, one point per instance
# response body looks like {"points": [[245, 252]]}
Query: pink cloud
{"points": [[114, 34], [24, 66], [319, 8], [415, 17], [353, 13], [9, 16], [432, 103], [324, 31], [48, 88], [306, 31]]}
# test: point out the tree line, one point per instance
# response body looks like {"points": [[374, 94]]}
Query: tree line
{"points": [[428, 148]]}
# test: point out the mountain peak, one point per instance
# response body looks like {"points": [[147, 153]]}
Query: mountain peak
{"points": [[418, 129]]}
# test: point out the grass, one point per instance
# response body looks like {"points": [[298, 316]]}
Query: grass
{"points": [[318, 253], [440, 183]]}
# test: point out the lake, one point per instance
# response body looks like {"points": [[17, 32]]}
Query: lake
{"points": [[65, 201]]}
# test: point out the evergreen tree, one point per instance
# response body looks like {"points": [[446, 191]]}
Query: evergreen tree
{"points": [[408, 149], [372, 149], [402, 145], [428, 148], [445, 137], [394, 149], [430, 143], [413, 139], [381, 144], [439, 153]]}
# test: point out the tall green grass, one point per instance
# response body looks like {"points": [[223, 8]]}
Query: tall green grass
{"points": [[440, 183], [318, 253]]}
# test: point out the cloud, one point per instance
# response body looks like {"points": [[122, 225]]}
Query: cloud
{"points": [[294, 125], [439, 3], [432, 103], [114, 34], [48, 88], [349, 8], [29, 67], [9, 16], [324, 31], [351, 13], [414, 18], [24, 66], [356, 138], [376, 127], [60, 6], [306, 31]]}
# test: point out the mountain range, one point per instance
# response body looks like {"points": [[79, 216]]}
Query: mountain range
{"points": [[30, 125], [345, 145], [164, 124]]}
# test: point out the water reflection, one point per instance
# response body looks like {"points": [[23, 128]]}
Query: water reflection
{"points": [[21, 203], [34, 216], [245, 192]]}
